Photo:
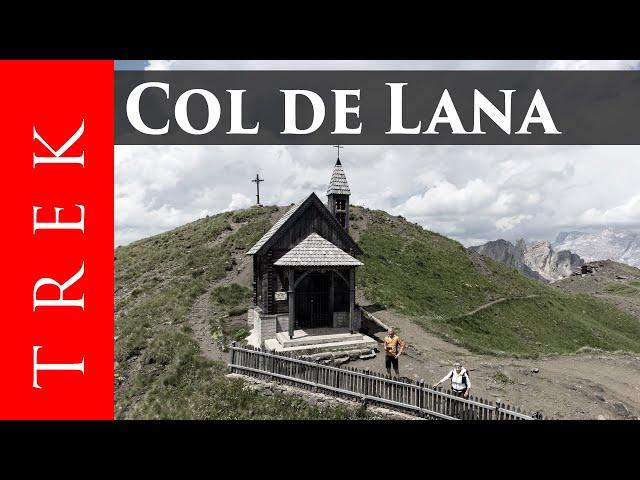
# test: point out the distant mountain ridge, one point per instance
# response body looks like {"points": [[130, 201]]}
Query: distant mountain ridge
{"points": [[538, 260], [617, 245]]}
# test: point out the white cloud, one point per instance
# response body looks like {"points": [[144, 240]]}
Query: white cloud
{"points": [[445, 198], [507, 223], [238, 201], [464, 192], [138, 215], [626, 214]]}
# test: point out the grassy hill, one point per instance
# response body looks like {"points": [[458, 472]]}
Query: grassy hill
{"points": [[438, 282], [200, 270], [613, 282]]}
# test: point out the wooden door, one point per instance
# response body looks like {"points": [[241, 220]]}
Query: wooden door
{"points": [[312, 301]]}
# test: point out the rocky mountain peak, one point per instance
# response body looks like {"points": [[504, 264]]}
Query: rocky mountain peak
{"points": [[538, 260]]}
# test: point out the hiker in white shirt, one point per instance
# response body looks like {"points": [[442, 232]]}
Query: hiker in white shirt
{"points": [[460, 382]]}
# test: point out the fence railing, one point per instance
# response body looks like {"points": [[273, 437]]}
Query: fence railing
{"points": [[409, 396]]}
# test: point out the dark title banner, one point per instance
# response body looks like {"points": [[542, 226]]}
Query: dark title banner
{"points": [[377, 107]]}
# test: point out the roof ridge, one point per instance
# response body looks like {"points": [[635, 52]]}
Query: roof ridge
{"points": [[290, 213]]}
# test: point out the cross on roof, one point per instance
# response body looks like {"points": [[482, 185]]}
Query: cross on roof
{"points": [[338, 147]]}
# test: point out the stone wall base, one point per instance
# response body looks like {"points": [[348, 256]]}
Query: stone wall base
{"points": [[264, 327], [341, 319], [318, 399]]}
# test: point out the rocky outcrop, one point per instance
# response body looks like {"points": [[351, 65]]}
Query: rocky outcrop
{"points": [[551, 264], [511, 255], [537, 260]]}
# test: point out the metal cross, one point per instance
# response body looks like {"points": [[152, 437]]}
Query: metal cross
{"points": [[338, 147], [257, 181]]}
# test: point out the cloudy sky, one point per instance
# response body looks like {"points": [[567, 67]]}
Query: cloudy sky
{"points": [[470, 193]]}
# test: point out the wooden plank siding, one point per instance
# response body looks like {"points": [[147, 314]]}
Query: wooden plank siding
{"points": [[268, 278]]}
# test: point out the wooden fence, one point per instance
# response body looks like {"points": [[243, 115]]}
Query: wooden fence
{"points": [[408, 396]]}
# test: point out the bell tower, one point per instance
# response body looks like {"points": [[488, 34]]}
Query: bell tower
{"points": [[338, 194]]}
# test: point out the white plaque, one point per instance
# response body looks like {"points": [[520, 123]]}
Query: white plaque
{"points": [[281, 296]]}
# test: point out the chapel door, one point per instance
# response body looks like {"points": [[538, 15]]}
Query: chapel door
{"points": [[312, 301]]}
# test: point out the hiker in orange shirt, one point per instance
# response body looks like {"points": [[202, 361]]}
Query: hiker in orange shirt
{"points": [[393, 348]]}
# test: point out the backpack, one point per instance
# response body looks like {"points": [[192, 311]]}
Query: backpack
{"points": [[464, 377]]}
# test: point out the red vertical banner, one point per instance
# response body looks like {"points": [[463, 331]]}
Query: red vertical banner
{"points": [[56, 342]]}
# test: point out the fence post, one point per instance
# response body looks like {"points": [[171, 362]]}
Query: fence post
{"points": [[316, 375], [232, 355], [365, 388]]}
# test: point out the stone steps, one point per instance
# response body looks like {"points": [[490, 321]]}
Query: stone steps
{"points": [[321, 347], [307, 340]]}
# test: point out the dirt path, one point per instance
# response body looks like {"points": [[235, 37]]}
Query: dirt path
{"points": [[490, 304], [586, 386], [199, 320], [201, 311]]}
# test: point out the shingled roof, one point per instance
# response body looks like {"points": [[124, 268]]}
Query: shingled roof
{"points": [[276, 226], [315, 251], [290, 215], [338, 183]]}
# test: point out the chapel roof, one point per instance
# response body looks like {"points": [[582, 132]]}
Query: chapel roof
{"points": [[316, 251], [289, 217]]}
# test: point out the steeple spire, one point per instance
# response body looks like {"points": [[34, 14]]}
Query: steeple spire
{"points": [[338, 194], [338, 183]]}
